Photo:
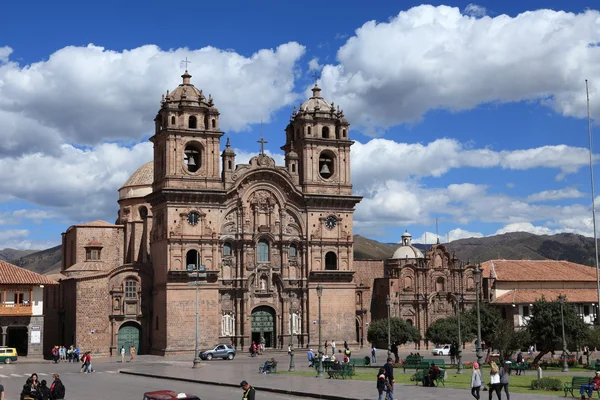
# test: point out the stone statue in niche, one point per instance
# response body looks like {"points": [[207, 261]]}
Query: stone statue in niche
{"points": [[263, 283]]}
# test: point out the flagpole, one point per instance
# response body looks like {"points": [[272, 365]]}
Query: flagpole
{"points": [[587, 92]]}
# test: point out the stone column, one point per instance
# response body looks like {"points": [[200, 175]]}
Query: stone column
{"points": [[3, 330]]}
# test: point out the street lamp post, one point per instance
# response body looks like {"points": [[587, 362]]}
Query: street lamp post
{"points": [[561, 300], [320, 360], [387, 303], [459, 353], [477, 278], [196, 271], [292, 366]]}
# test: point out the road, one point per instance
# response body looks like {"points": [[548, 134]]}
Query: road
{"points": [[107, 383]]}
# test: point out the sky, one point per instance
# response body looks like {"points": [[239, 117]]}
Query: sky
{"points": [[471, 114]]}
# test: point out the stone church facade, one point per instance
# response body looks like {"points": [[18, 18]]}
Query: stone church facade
{"points": [[423, 287], [252, 241]]}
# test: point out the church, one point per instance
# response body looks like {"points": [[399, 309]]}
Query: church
{"points": [[248, 244]]}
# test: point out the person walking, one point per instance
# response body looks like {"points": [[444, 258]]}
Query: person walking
{"points": [[494, 381], [389, 373], [57, 389], [333, 347], [311, 358], [249, 392], [504, 372], [476, 381], [373, 355], [132, 353], [122, 354]]}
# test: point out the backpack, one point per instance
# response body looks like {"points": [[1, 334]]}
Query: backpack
{"points": [[59, 390]]}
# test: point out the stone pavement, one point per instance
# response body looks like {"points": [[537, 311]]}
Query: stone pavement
{"points": [[230, 374]]}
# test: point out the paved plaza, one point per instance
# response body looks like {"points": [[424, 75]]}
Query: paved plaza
{"points": [[217, 380]]}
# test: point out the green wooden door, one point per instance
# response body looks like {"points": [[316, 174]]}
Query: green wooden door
{"points": [[262, 323], [129, 335]]}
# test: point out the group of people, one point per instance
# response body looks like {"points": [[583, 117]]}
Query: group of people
{"points": [[131, 353], [33, 389], [61, 353], [385, 381], [257, 348], [498, 380]]}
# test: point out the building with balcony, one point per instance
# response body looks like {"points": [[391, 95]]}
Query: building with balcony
{"points": [[514, 285], [22, 309]]}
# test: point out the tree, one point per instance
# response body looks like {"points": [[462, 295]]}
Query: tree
{"points": [[445, 330], [507, 340], [400, 332], [545, 330], [490, 321]]}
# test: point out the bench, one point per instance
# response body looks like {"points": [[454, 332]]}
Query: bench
{"points": [[326, 365], [437, 361], [524, 366], [361, 362], [271, 369], [346, 370], [411, 363], [575, 385], [421, 372]]}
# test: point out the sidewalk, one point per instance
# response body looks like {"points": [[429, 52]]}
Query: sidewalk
{"points": [[227, 374]]}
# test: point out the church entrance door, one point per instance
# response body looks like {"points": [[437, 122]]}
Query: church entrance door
{"points": [[129, 335], [262, 324]]}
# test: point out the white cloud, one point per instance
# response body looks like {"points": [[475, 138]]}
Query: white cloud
{"points": [[459, 233], [429, 57], [12, 238], [313, 64], [475, 11], [454, 234], [527, 227], [553, 195], [85, 95]]}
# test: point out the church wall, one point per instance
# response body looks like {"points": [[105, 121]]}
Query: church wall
{"points": [[158, 335], [92, 329], [338, 313], [181, 314], [111, 239], [366, 273]]}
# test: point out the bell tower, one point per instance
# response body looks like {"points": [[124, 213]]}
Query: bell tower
{"points": [[186, 140], [318, 134]]}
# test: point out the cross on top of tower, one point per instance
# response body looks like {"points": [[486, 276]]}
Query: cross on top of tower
{"points": [[262, 142], [186, 62], [317, 77]]}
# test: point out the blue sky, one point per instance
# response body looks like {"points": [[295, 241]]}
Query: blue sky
{"points": [[472, 113]]}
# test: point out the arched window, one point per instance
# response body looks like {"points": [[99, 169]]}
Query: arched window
{"points": [[470, 283], [229, 166], [263, 251], [409, 322], [192, 122], [143, 212], [337, 132], [173, 120], [131, 289], [214, 123], [326, 165], [343, 133], [407, 283], [308, 130], [325, 132], [331, 261], [192, 260], [294, 168], [293, 250], [440, 284], [226, 250], [192, 158]]}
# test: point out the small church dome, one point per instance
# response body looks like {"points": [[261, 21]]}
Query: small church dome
{"points": [[316, 102], [139, 183], [406, 249]]}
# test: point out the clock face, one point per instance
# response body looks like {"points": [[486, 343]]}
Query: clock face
{"points": [[193, 218], [331, 222]]}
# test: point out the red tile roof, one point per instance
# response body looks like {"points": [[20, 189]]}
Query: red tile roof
{"points": [[538, 270], [525, 296], [13, 275]]}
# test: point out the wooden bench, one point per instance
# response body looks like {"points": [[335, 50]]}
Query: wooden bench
{"points": [[360, 362], [575, 384], [524, 366], [346, 370], [411, 363], [421, 372], [271, 369]]}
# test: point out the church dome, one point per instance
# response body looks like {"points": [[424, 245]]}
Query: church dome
{"points": [[139, 184], [406, 249], [188, 95], [316, 102]]}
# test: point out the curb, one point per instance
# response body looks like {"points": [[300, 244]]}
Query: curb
{"points": [[264, 389]]}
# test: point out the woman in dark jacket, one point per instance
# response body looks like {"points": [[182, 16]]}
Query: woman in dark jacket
{"points": [[26, 393]]}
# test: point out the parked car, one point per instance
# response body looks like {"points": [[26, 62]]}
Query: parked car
{"points": [[443, 350], [8, 354], [224, 351], [168, 395]]}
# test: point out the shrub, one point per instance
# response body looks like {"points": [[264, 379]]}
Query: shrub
{"points": [[547, 384]]}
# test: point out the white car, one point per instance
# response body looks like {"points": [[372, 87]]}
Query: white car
{"points": [[443, 350]]}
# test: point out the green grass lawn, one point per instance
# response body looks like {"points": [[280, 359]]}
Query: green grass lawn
{"points": [[518, 383]]}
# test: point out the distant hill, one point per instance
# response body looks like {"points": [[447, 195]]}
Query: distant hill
{"points": [[515, 245], [12, 254], [42, 262]]}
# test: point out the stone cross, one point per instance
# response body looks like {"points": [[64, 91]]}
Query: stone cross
{"points": [[186, 62], [262, 142]]}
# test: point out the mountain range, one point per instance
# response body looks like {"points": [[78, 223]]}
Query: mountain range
{"points": [[511, 246]]}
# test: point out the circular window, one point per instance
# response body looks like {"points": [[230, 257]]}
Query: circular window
{"points": [[193, 218], [192, 157], [326, 165]]}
